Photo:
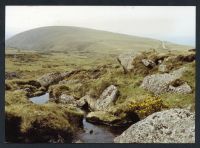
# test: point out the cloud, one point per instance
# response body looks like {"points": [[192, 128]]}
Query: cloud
{"points": [[172, 23]]}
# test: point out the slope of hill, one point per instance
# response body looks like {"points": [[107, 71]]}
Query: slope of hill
{"points": [[71, 71], [66, 38]]}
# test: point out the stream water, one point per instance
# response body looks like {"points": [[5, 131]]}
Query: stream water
{"points": [[91, 133], [40, 99]]}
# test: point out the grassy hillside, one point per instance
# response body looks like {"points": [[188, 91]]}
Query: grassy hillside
{"points": [[91, 58], [82, 40]]}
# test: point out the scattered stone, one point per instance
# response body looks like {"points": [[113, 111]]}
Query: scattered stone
{"points": [[87, 101], [148, 63], [159, 83], [103, 117], [182, 89], [54, 77], [107, 98], [126, 61], [169, 126], [50, 78]]}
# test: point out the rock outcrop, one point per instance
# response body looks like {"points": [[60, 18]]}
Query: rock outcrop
{"points": [[169, 126], [126, 61], [86, 102], [108, 97], [148, 63], [103, 117], [182, 89], [50, 78], [140, 63], [159, 83]]}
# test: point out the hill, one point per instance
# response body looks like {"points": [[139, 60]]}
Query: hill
{"points": [[67, 38], [79, 80]]}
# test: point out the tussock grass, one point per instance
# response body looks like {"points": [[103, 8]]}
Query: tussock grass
{"points": [[56, 122], [22, 83], [16, 97], [47, 121]]}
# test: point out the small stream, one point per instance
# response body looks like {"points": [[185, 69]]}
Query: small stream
{"points": [[40, 99], [91, 133]]}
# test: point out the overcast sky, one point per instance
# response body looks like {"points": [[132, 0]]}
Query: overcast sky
{"points": [[175, 24]]}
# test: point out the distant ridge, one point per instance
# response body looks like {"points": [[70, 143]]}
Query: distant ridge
{"points": [[69, 38]]}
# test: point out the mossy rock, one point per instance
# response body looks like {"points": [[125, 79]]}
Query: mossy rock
{"points": [[103, 117]]}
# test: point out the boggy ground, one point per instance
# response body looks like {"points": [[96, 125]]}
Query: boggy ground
{"points": [[77, 81]]}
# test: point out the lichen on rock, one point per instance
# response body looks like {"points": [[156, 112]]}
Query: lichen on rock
{"points": [[108, 97], [169, 126], [159, 83]]}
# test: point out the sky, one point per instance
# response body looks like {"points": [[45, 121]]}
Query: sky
{"points": [[168, 23]]}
